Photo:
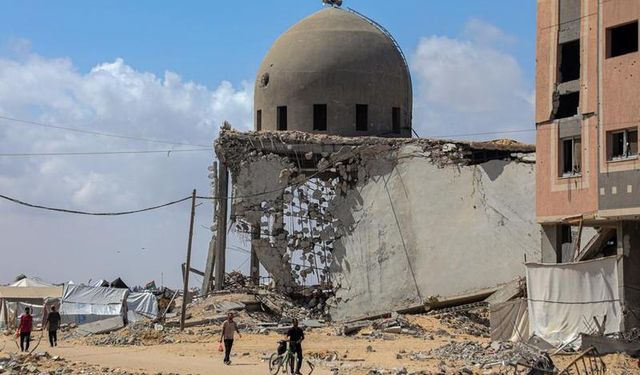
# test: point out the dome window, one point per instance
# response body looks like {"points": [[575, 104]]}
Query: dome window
{"points": [[395, 120], [362, 117], [282, 118], [259, 120], [320, 117]]}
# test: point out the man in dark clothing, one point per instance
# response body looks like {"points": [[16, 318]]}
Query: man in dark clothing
{"points": [[296, 335], [53, 320], [26, 323]]}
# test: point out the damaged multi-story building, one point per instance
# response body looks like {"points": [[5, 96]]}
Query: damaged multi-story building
{"points": [[332, 189], [588, 172]]}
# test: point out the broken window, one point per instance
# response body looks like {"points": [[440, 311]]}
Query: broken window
{"points": [[395, 119], [623, 144], [571, 156], [362, 117], [569, 61], [567, 105], [622, 39], [259, 120], [282, 118], [320, 117]]}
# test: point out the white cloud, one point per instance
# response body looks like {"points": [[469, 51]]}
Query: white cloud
{"points": [[113, 97], [470, 86], [484, 33]]}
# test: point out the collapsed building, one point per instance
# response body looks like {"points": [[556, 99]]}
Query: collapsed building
{"points": [[333, 191], [388, 224]]}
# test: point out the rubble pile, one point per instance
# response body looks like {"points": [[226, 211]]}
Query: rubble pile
{"points": [[43, 363], [137, 334], [472, 322], [474, 353]]}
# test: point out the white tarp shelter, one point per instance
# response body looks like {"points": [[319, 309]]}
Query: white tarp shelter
{"points": [[86, 304], [141, 306], [26, 293], [563, 299]]}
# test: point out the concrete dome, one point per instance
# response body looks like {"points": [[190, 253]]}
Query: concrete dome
{"points": [[335, 68]]}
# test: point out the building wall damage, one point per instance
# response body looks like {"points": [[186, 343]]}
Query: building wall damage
{"points": [[387, 224]]}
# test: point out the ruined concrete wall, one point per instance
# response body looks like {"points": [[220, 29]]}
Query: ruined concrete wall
{"points": [[421, 231], [388, 224]]}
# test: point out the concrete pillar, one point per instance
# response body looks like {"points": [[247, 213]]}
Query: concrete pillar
{"points": [[221, 229], [551, 242], [254, 269], [629, 277]]}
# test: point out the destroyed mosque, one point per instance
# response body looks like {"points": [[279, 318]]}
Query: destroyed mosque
{"points": [[332, 190]]}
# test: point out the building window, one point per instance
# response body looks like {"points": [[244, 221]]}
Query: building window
{"points": [[622, 39], [320, 117], [362, 117], [395, 119], [571, 152], [623, 144], [567, 105], [569, 61], [282, 118], [259, 120]]}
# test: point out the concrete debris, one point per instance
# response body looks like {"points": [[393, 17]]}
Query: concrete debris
{"points": [[472, 322], [486, 356], [43, 363], [101, 326]]}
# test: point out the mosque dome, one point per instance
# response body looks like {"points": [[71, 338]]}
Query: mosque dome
{"points": [[335, 72]]}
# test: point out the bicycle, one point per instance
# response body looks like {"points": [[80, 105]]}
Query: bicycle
{"points": [[277, 360]]}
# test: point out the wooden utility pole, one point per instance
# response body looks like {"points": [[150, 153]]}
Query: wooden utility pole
{"points": [[221, 225], [185, 289]]}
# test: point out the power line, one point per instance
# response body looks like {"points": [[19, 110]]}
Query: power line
{"points": [[83, 153], [99, 133], [14, 200]]}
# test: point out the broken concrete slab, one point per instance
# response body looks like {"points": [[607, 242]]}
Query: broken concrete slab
{"points": [[607, 345], [101, 326], [507, 292], [229, 306]]}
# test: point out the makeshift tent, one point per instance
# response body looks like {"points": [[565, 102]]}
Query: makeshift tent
{"points": [[510, 321], [141, 306], [564, 299], [101, 282], [85, 304], [118, 283], [26, 293]]}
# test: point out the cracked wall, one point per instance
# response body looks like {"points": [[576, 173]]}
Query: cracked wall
{"points": [[388, 224]]}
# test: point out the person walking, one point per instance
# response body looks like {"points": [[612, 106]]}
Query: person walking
{"points": [[229, 328], [53, 321], [296, 335], [26, 324]]}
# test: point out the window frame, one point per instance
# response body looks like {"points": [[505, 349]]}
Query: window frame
{"points": [[259, 120], [575, 155], [609, 39], [625, 145]]}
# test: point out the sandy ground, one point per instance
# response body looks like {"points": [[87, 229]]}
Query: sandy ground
{"points": [[203, 358]]}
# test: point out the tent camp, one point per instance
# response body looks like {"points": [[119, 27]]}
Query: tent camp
{"points": [[24, 293], [85, 304], [142, 306]]}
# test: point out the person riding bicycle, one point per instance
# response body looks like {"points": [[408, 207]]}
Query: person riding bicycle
{"points": [[296, 335]]}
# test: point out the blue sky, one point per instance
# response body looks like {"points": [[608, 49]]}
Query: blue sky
{"points": [[210, 41], [175, 71]]}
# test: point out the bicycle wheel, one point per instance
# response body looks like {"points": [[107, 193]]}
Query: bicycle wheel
{"points": [[275, 363], [292, 362]]}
